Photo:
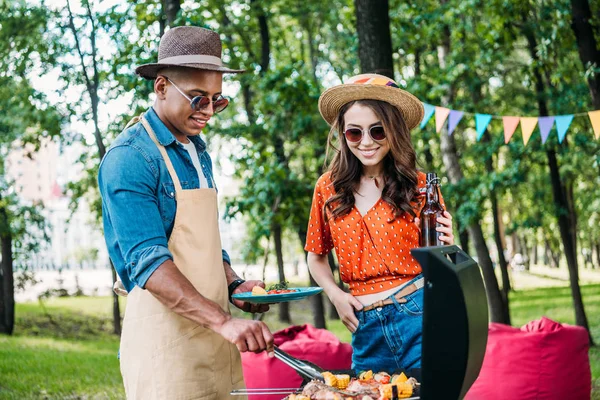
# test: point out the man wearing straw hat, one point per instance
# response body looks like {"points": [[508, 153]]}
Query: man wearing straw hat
{"points": [[159, 204]]}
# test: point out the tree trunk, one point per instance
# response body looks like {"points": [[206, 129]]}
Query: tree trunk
{"points": [[506, 286], [534, 256], [586, 43], [116, 306], [525, 253], [92, 86], [333, 314], [562, 192], [171, 10], [597, 255], [498, 309], [284, 308], [374, 38], [7, 287], [497, 217], [318, 310], [463, 236], [264, 36]]}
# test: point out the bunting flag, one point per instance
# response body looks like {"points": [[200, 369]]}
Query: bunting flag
{"points": [[481, 123], [527, 126], [595, 120], [510, 125], [429, 110], [453, 120], [545, 124], [441, 113], [562, 125]]}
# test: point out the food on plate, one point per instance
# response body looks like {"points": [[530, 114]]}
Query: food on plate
{"points": [[277, 288], [258, 291], [368, 386]]}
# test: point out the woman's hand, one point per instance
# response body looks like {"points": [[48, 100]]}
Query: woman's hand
{"points": [[345, 304], [446, 228]]}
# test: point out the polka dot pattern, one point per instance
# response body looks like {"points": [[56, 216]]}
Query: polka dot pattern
{"points": [[373, 250]]}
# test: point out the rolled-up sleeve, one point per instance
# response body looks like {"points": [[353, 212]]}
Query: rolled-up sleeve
{"points": [[128, 183]]}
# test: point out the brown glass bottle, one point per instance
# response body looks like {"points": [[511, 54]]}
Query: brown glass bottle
{"points": [[430, 213]]}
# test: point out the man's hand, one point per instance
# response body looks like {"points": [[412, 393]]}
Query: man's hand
{"points": [[247, 335], [249, 307]]}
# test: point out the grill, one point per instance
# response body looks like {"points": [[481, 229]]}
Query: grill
{"points": [[455, 328]]}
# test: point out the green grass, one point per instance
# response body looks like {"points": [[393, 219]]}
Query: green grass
{"points": [[65, 350], [61, 351]]}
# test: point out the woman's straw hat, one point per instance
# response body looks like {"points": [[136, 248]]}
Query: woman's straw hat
{"points": [[190, 47], [370, 87]]}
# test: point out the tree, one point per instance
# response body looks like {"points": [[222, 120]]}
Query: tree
{"points": [[25, 119], [92, 82], [589, 52], [374, 38]]}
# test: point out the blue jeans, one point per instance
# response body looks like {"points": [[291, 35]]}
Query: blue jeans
{"points": [[389, 338]]}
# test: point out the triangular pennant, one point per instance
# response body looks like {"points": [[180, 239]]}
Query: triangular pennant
{"points": [[429, 110], [481, 123], [545, 124], [510, 125], [562, 125], [453, 120], [441, 113], [527, 126], [595, 119]]}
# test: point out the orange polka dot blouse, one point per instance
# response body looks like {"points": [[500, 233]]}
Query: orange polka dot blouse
{"points": [[373, 254]]}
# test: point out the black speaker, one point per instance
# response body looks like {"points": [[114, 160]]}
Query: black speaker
{"points": [[455, 322]]}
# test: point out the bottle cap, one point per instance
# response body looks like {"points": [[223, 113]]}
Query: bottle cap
{"points": [[432, 178]]}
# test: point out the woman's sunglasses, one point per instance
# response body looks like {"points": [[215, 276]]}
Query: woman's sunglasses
{"points": [[355, 135], [199, 103]]}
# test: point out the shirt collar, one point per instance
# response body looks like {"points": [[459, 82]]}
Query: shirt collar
{"points": [[164, 135]]}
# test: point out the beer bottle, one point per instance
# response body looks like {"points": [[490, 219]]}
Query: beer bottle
{"points": [[430, 213]]}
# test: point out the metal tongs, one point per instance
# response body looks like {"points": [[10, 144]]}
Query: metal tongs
{"points": [[305, 369]]}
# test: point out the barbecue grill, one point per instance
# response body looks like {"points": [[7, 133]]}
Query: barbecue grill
{"points": [[455, 328]]}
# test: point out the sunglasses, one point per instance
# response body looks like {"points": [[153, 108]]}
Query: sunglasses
{"points": [[355, 135], [199, 103]]}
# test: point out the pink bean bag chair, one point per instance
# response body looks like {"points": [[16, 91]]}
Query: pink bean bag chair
{"points": [[306, 342], [544, 360]]}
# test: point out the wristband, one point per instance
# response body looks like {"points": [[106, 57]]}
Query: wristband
{"points": [[232, 286]]}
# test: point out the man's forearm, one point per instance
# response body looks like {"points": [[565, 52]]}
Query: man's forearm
{"points": [[229, 273], [177, 293]]}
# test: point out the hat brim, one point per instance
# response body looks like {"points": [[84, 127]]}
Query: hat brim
{"points": [[150, 71], [333, 99]]}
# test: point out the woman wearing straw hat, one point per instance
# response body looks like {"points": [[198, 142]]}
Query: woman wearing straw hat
{"points": [[365, 207], [159, 204]]}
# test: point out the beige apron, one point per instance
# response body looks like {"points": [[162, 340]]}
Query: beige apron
{"points": [[164, 355]]}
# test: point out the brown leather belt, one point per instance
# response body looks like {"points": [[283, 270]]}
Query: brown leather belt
{"points": [[400, 296]]}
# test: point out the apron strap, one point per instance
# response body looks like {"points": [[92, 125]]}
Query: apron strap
{"points": [[163, 151]]}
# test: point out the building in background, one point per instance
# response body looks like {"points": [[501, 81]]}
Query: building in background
{"points": [[76, 239], [40, 177]]}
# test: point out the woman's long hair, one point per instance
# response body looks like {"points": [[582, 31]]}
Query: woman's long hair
{"points": [[399, 171]]}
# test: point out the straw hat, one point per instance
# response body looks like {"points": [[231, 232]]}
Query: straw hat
{"points": [[370, 87], [187, 46]]}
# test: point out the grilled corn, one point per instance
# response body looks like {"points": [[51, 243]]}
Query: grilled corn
{"points": [[405, 390]]}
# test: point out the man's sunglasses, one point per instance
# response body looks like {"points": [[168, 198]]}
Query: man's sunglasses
{"points": [[355, 135], [199, 103]]}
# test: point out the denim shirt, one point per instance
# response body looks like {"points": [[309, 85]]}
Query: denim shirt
{"points": [[138, 197]]}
